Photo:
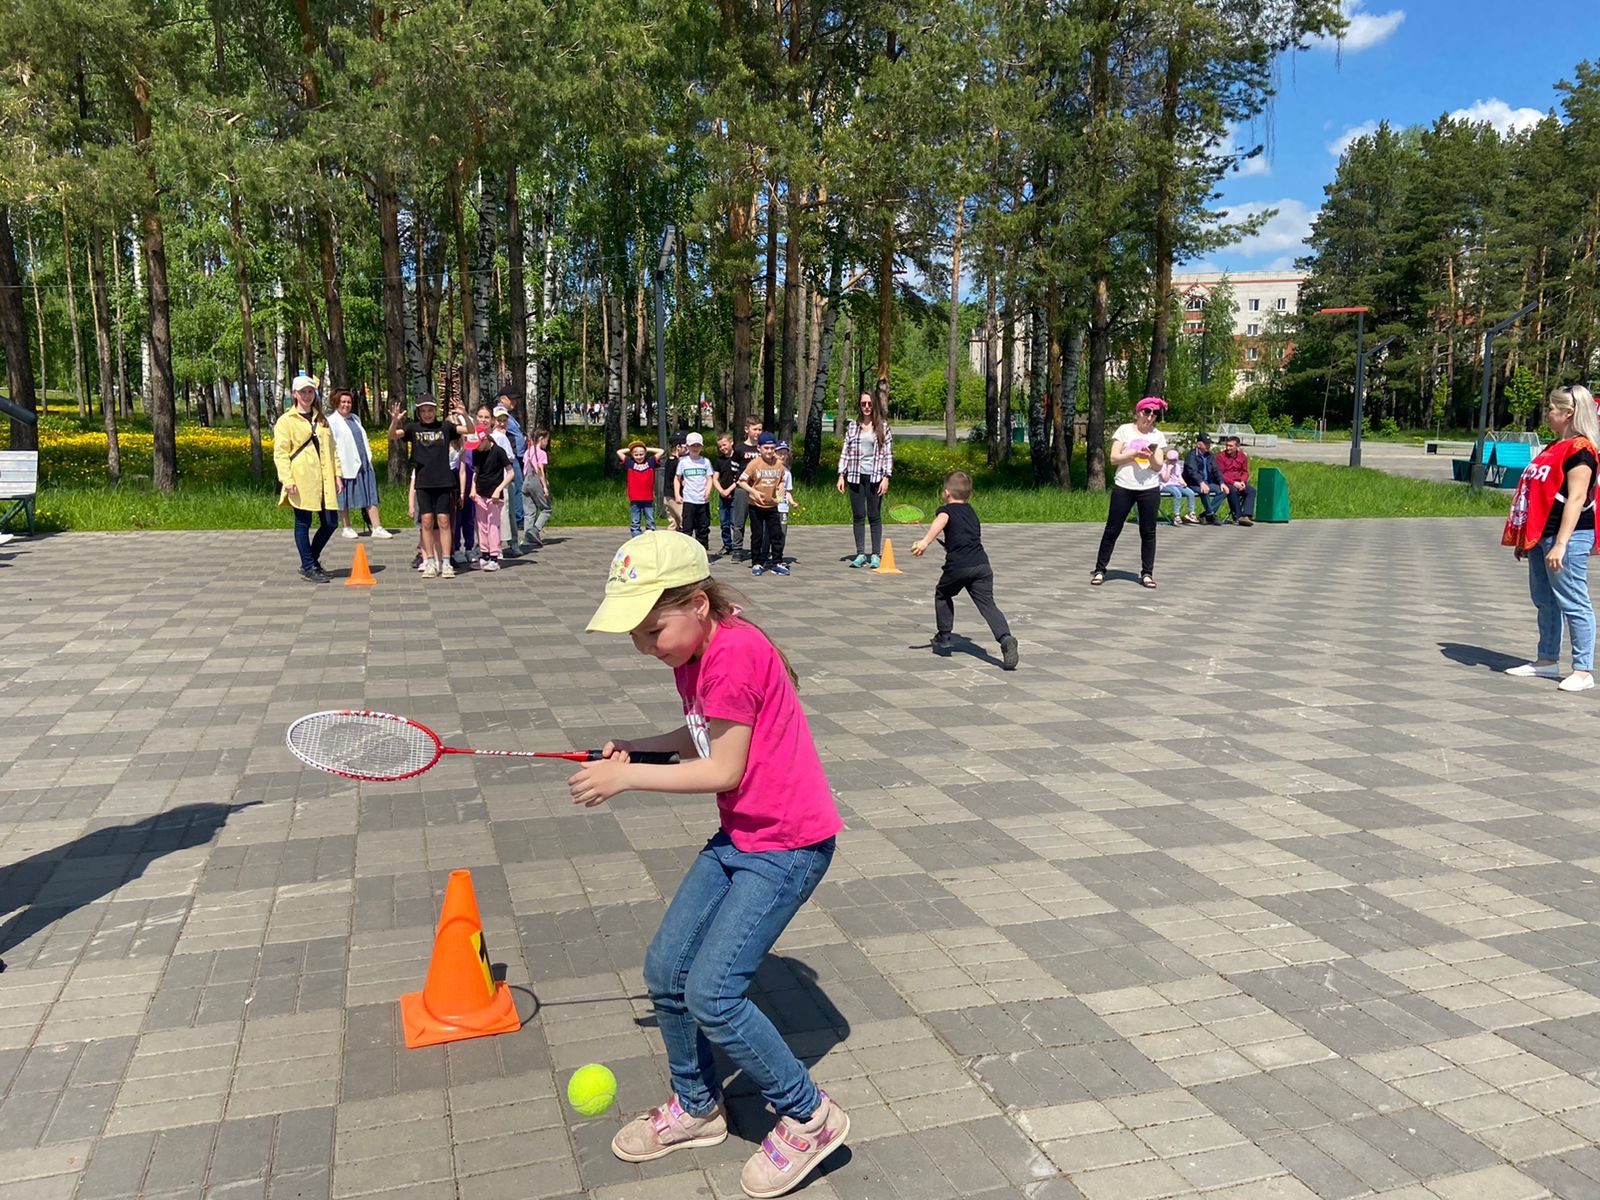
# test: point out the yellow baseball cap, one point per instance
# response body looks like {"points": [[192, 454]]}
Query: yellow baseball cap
{"points": [[641, 570]]}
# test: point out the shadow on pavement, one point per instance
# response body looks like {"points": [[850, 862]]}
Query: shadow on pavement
{"points": [[123, 852], [1477, 656]]}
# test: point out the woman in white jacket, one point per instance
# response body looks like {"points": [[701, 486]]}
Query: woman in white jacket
{"points": [[355, 463]]}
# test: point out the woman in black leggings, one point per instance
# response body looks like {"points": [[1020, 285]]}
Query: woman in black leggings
{"points": [[1137, 450], [866, 461]]}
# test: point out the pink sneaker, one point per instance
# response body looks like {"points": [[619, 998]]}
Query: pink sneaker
{"points": [[662, 1130], [792, 1151]]}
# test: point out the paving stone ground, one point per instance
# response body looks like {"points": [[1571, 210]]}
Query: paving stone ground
{"points": [[1266, 885]]}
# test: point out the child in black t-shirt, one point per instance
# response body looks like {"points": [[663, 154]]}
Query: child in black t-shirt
{"points": [[966, 566]]}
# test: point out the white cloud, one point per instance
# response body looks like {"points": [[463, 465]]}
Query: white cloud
{"points": [[1350, 137], [1498, 113], [1365, 29], [1282, 237]]}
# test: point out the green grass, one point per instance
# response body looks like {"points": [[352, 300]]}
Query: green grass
{"points": [[219, 493]]}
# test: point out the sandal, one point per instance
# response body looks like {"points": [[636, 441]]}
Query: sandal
{"points": [[1096, 577], [1148, 581]]}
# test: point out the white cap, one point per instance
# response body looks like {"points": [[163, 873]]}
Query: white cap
{"points": [[694, 439], [302, 381], [500, 410]]}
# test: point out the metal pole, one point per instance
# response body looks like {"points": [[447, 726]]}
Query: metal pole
{"points": [[663, 262], [1361, 389], [1479, 466]]}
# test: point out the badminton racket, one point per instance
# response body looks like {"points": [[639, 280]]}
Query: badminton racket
{"points": [[382, 747], [908, 514]]}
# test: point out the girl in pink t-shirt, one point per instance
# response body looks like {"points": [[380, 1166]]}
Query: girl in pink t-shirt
{"points": [[744, 738]]}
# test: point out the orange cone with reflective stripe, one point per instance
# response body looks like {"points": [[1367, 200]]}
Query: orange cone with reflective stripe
{"points": [[460, 998], [886, 563], [360, 572]]}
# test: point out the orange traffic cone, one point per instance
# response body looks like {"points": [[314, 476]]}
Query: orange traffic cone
{"points": [[460, 998], [360, 573], [886, 563]]}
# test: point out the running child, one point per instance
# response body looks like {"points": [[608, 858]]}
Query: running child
{"points": [[745, 738], [966, 567], [762, 483], [640, 462]]}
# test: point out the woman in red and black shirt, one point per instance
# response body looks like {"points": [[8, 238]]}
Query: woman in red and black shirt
{"points": [[1552, 526]]}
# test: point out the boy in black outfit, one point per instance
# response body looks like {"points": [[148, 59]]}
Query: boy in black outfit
{"points": [[727, 485], [966, 566]]}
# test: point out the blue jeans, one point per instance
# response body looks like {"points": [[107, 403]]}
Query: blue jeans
{"points": [[1564, 596], [1178, 492], [516, 498], [730, 909], [641, 510], [311, 547], [726, 509]]}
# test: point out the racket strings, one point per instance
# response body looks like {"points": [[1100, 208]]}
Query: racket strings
{"points": [[354, 744]]}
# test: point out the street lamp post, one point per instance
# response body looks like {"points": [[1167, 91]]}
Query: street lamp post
{"points": [[1479, 467], [1361, 377], [663, 265]]}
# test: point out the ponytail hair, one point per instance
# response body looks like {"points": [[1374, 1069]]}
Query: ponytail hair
{"points": [[1585, 421], [725, 603]]}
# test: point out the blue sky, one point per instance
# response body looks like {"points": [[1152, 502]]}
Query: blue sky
{"points": [[1405, 62]]}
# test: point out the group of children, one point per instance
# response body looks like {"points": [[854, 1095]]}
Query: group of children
{"points": [[753, 481], [472, 486]]}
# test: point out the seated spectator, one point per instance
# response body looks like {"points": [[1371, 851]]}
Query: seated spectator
{"points": [[1200, 472], [1172, 484], [1234, 464]]}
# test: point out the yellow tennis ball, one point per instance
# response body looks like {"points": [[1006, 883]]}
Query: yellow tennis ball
{"points": [[592, 1089]]}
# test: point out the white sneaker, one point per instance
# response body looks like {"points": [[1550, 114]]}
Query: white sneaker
{"points": [[349, 531], [1578, 681], [447, 571], [429, 571], [7, 537], [490, 564], [380, 532], [1535, 671]]}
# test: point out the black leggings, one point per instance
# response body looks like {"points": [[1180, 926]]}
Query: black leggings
{"points": [[1122, 502], [866, 506]]}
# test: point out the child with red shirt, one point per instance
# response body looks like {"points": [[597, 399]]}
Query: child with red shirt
{"points": [[745, 738], [640, 461]]}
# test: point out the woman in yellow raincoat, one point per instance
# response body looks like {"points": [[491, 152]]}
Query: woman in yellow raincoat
{"points": [[308, 472]]}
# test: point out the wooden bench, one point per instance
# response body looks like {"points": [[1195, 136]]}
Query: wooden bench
{"points": [[19, 484]]}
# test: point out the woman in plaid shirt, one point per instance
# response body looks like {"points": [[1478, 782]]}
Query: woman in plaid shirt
{"points": [[866, 461]]}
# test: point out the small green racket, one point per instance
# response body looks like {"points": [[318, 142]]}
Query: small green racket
{"points": [[908, 514]]}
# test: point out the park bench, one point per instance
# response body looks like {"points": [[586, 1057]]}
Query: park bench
{"points": [[1246, 434], [1447, 447], [1305, 434], [19, 484]]}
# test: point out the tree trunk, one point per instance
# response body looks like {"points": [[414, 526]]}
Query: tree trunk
{"points": [[102, 343], [641, 378], [1008, 369], [163, 411], [991, 377], [811, 465], [793, 316], [740, 219], [885, 303], [472, 384], [844, 369], [1099, 359], [333, 305], [517, 362], [394, 310], [38, 321], [14, 339], [952, 370], [769, 361], [1071, 362], [483, 266], [124, 398], [1161, 247], [247, 337], [1040, 442], [80, 391], [616, 402]]}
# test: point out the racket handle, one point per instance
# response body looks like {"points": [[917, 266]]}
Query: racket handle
{"points": [[653, 757]]}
